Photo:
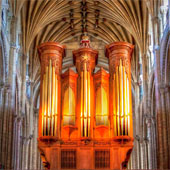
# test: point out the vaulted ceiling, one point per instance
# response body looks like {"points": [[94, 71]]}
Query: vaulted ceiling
{"points": [[61, 20], [64, 20]]}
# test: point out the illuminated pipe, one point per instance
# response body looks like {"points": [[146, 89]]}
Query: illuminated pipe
{"points": [[128, 110], [85, 60], [43, 101], [121, 96], [126, 105], [53, 101], [56, 106], [118, 100], [119, 54], [124, 99], [88, 88], [46, 102], [85, 102], [114, 105], [102, 112], [49, 98], [69, 97], [51, 54], [130, 105], [101, 79], [82, 116]]}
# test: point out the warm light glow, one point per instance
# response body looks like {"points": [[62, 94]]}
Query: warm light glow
{"points": [[120, 98], [69, 107], [85, 101], [121, 104], [49, 101], [101, 107]]}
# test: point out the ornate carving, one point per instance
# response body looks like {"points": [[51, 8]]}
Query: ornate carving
{"points": [[51, 51], [119, 51], [84, 56]]}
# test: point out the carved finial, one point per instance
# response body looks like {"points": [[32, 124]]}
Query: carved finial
{"points": [[85, 42]]}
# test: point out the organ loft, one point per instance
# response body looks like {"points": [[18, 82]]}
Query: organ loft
{"points": [[85, 117]]}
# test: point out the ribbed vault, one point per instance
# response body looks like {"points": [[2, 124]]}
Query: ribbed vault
{"points": [[66, 20], [59, 20]]}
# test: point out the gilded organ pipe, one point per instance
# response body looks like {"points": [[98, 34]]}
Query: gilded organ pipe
{"points": [[51, 61], [119, 54], [101, 83], [85, 60]]}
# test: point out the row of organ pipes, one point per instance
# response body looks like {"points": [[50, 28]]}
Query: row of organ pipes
{"points": [[85, 99], [121, 105]]}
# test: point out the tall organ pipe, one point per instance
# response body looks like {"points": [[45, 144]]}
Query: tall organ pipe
{"points": [[119, 54], [85, 60], [51, 55]]}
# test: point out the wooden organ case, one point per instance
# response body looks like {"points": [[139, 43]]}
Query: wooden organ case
{"points": [[85, 117]]}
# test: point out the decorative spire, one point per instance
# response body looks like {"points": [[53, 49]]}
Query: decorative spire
{"points": [[85, 42]]}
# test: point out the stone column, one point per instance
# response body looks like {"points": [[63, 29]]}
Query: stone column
{"points": [[138, 160], [30, 151], [1, 118], [142, 154], [10, 102], [167, 99], [25, 154], [6, 129], [35, 135], [149, 143], [164, 117]]}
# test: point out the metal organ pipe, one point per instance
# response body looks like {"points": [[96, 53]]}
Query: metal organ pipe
{"points": [[119, 54], [51, 61], [85, 114], [85, 101], [85, 60]]}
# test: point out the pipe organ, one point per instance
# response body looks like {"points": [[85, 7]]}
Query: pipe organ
{"points": [[51, 63], [119, 55], [85, 60], [85, 117]]}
